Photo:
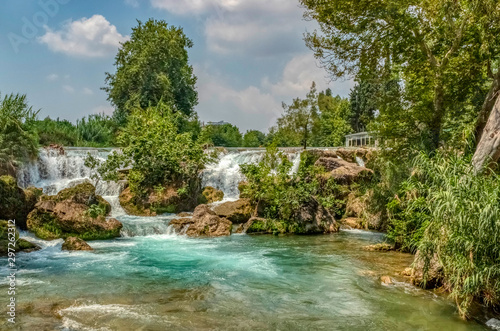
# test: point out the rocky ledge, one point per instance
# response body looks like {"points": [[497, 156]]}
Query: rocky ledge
{"points": [[76, 244], [73, 212]]}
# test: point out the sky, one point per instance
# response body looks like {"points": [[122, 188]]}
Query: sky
{"points": [[249, 55]]}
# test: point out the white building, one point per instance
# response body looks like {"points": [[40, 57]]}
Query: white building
{"points": [[360, 139]]}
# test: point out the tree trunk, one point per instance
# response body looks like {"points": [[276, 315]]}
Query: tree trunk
{"points": [[437, 120], [488, 149], [488, 104]]}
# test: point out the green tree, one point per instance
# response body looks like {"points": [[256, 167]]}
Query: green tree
{"points": [[18, 140], [333, 121], [363, 105], [153, 66], [300, 117], [157, 151], [427, 44], [253, 138], [226, 135]]}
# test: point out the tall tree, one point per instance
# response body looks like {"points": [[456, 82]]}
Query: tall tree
{"points": [[226, 135], [301, 116], [153, 66], [333, 121], [363, 105], [253, 138]]}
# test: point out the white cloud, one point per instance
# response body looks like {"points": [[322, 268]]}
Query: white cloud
{"points": [[257, 27], [87, 91], [132, 3], [52, 77], [87, 37], [68, 88]]}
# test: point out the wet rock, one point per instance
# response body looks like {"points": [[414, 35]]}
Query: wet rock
{"points": [[21, 244], [237, 212], [427, 274], [75, 244], [382, 247], [204, 223], [74, 212], [16, 203], [182, 215], [210, 195]]}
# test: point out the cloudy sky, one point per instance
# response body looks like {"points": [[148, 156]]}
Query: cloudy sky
{"points": [[249, 55]]}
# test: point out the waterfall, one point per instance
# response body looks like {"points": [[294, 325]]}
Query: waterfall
{"points": [[225, 174], [56, 170]]}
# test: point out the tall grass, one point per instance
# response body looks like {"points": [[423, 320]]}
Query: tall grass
{"points": [[463, 228]]}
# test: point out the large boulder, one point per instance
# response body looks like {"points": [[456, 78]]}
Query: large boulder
{"points": [[314, 218], [16, 203], [75, 244], [342, 171], [73, 212], [237, 212], [210, 195], [203, 223], [21, 244], [427, 274]]}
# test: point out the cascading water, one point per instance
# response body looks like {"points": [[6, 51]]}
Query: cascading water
{"points": [[225, 174]]}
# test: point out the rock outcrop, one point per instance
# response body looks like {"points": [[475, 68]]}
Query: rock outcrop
{"points": [[210, 195], [204, 223], [76, 244], [237, 212], [170, 199], [73, 212], [21, 244], [342, 171], [313, 218], [16, 203]]}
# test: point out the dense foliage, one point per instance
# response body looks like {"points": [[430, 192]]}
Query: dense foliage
{"points": [[226, 135], [153, 67], [18, 141], [281, 193], [157, 152], [254, 138]]}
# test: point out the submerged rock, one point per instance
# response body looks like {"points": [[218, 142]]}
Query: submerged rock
{"points": [[76, 244], [74, 212], [239, 211], [16, 203], [382, 247], [211, 195], [204, 222], [21, 244], [386, 280]]}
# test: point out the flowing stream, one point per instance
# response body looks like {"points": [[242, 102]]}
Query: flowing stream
{"points": [[154, 279]]}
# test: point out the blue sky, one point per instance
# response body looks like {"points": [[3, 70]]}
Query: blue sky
{"points": [[249, 55]]}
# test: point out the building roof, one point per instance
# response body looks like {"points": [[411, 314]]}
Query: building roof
{"points": [[359, 134]]}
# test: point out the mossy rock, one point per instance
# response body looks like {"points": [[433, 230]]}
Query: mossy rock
{"points": [[171, 199], [210, 195], [74, 212], [21, 244], [16, 203]]}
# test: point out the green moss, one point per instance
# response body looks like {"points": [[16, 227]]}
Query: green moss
{"points": [[276, 227]]}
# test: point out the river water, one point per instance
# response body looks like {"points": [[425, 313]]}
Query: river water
{"points": [[154, 279]]}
